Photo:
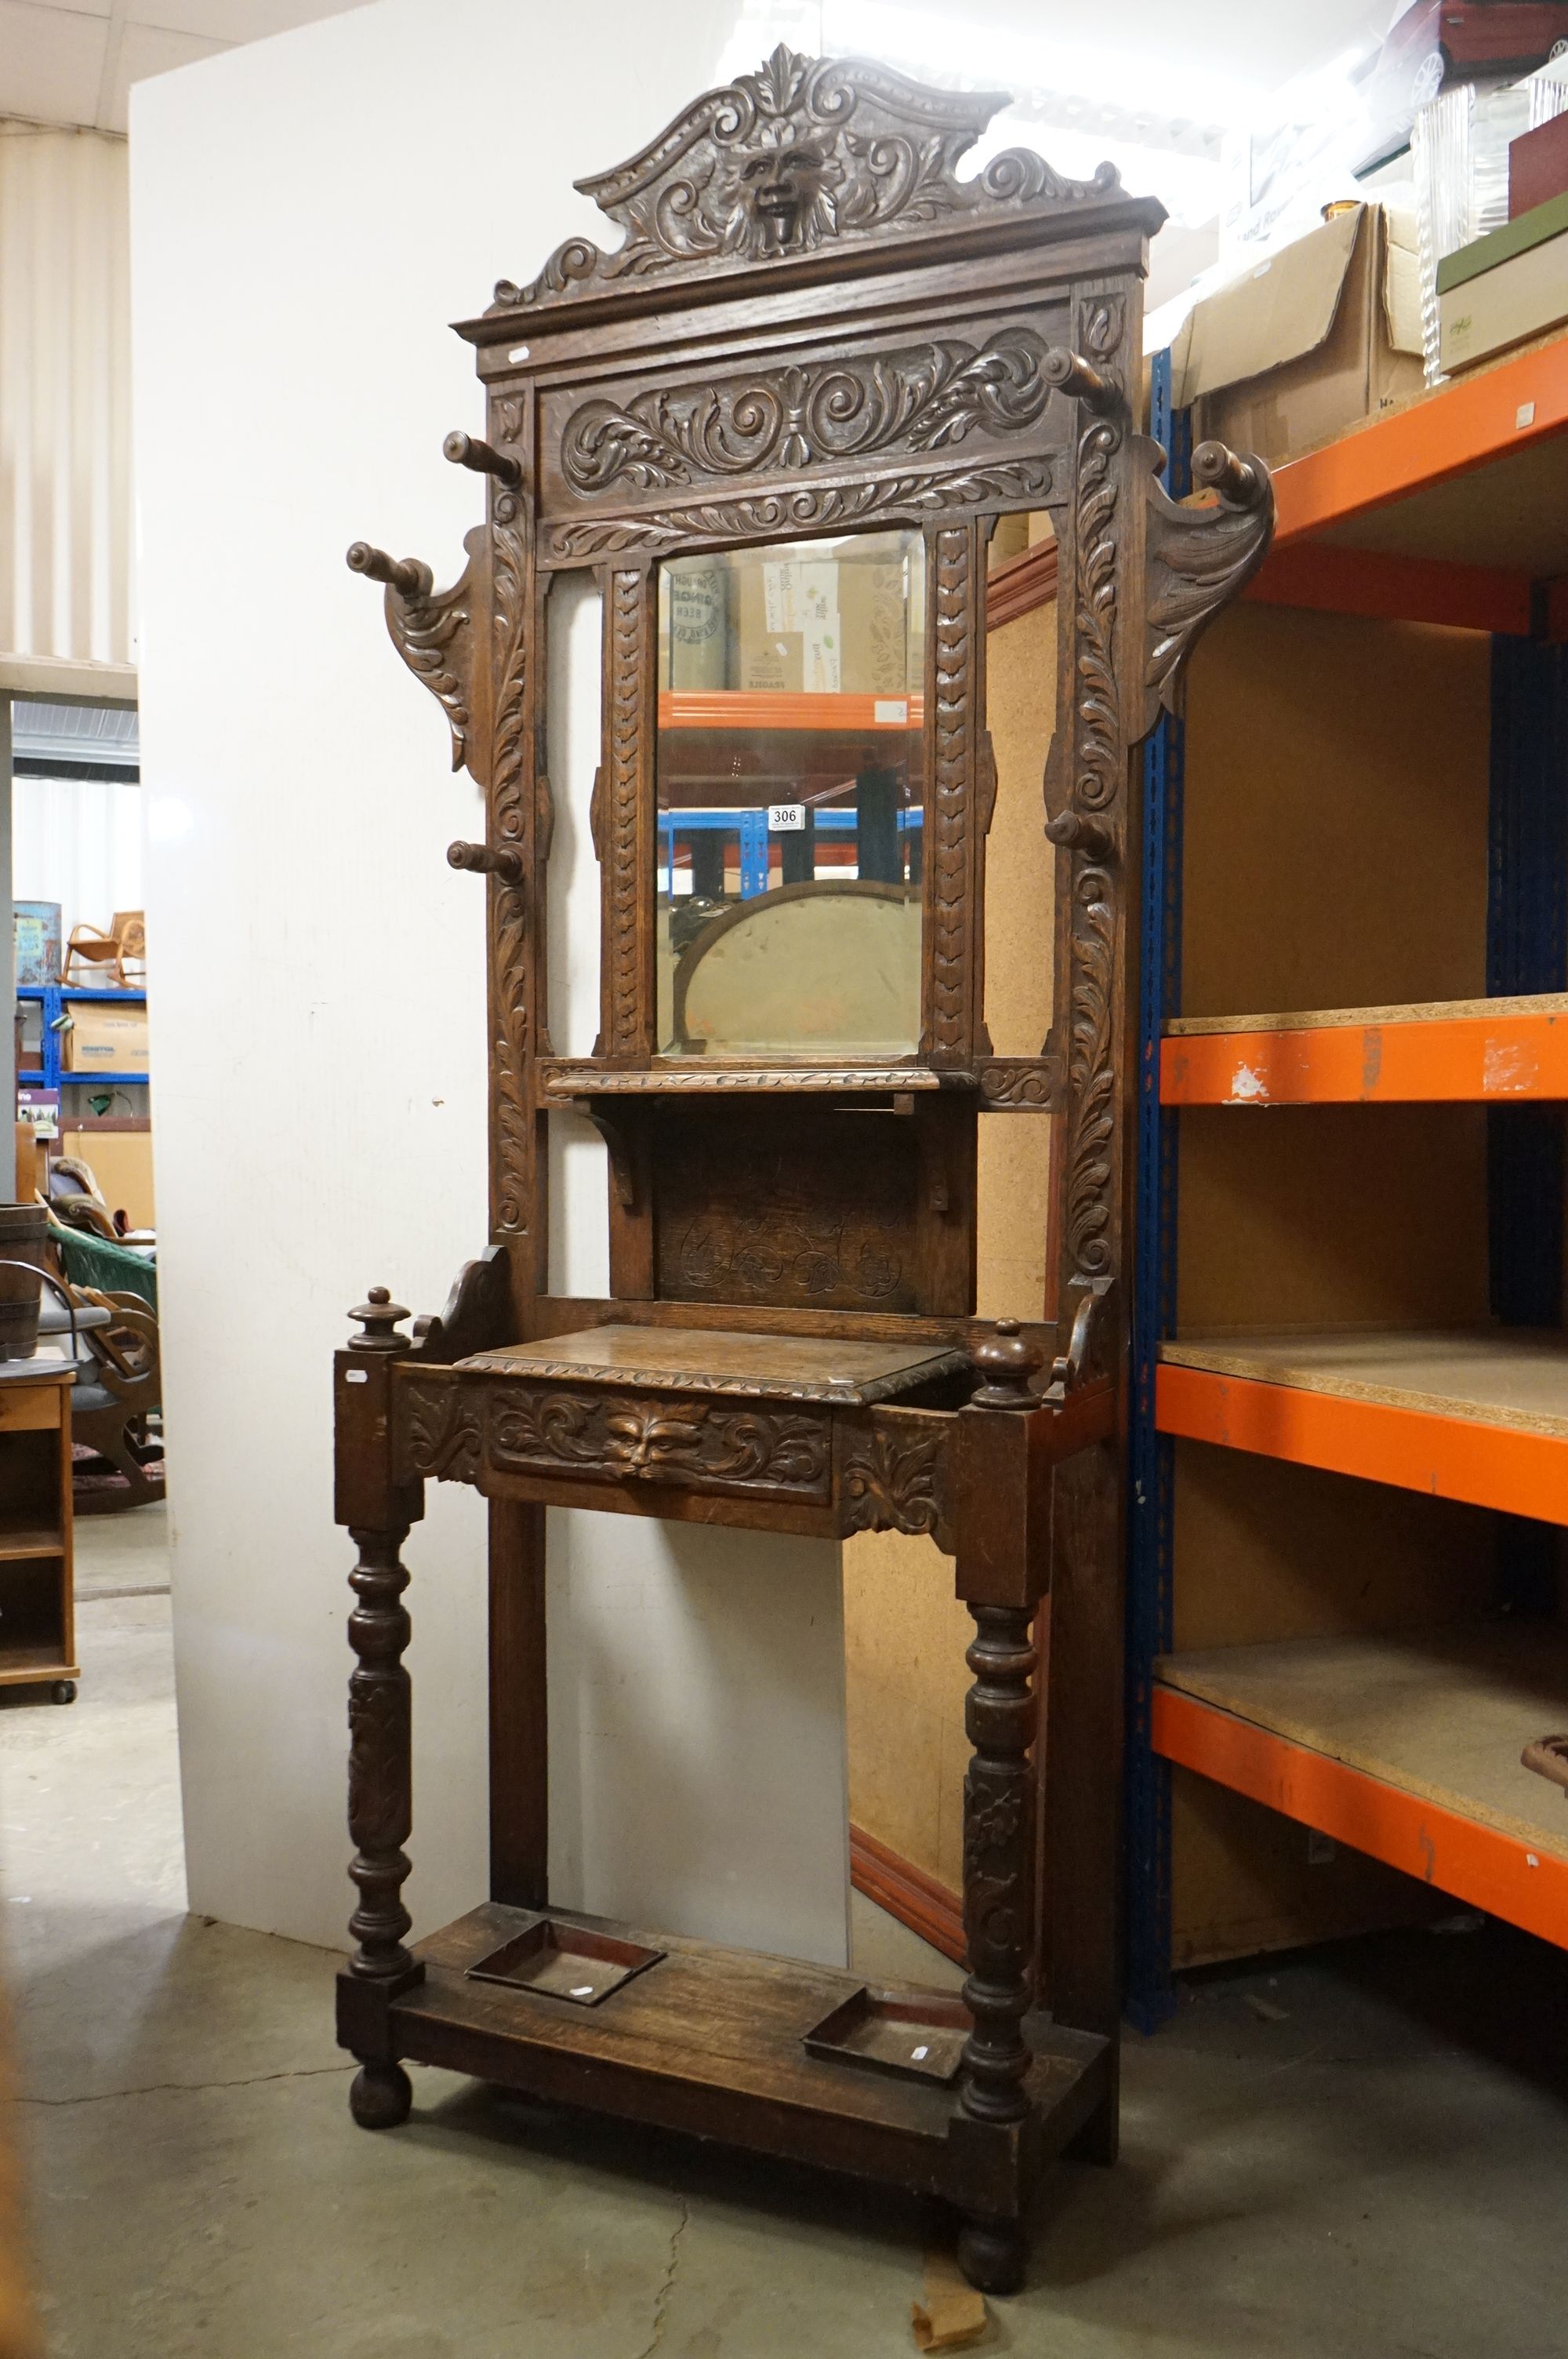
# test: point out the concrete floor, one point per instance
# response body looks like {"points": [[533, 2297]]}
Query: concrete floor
{"points": [[1372, 2168]]}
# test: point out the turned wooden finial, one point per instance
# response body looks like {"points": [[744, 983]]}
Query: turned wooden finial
{"points": [[407, 575], [1069, 373], [1007, 1364], [1240, 483], [503, 860], [468, 450], [379, 1316]]}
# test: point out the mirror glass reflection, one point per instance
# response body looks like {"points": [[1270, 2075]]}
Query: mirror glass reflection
{"points": [[790, 840]]}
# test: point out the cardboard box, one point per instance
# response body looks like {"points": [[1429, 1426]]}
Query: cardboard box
{"points": [[1321, 335], [786, 625], [1537, 166], [1515, 298], [121, 1161], [106, 1037]]}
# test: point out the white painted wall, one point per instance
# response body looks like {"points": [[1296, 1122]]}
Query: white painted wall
{"points": [[305, 214]]}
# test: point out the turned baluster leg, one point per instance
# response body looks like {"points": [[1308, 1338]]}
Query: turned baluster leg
{"points": [[380, 1798], [998, 1849]]}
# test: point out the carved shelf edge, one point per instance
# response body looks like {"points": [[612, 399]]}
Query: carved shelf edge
{"points": [[563, 1079]]}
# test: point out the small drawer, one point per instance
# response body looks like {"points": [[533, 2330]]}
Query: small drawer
{"points": [[29, 1408], [681, 1439]]}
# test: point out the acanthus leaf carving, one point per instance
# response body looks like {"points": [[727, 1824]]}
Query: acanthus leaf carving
{"points": [[439, 1428], [805, 152], [928, 397], [1198, 560], [892, 1480], [776, 515], [1099, 754]]}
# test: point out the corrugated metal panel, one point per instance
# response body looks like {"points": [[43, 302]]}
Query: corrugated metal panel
{"points": [[83, 738], [66, 593]]}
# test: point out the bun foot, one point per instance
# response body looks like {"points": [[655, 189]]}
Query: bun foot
{"points": [[991, 2254], [380, 2096]]}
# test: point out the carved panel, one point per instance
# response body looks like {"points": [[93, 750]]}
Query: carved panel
{"points": [[798, 1206], [657, 1439], [776, 515], [1020, 1084], [437, 1428], [893, 1477], [802, 154], [952, 821], [925, 397]]}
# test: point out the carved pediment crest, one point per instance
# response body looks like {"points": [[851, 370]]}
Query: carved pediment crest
{"points": [[803, 152]]}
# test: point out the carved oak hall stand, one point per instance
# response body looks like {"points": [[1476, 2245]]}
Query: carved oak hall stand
{"points": [[778, 424]]}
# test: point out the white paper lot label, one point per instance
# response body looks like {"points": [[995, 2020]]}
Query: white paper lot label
{"points": [[786, 819]]}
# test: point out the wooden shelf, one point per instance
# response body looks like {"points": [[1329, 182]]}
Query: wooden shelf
{"points": [[31, 1542], [741, 708], [710, 2040], [1477, 1415], [1406, 1748], [27, 1666], [1450, 510], [1499, 1051]]}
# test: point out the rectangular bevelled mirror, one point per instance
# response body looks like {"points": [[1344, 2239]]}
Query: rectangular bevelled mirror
{"points": [[791, 799]]}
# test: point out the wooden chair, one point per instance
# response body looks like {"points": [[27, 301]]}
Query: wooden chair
{"points": [[118, 1392]]}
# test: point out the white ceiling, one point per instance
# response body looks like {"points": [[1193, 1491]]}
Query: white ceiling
{"points": [[72, 62]]}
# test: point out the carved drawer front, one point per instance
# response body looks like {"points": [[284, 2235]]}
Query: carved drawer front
{"points": [[671, 1437]]}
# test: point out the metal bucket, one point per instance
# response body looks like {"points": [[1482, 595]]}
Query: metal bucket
{"points": [[23, 1230]]}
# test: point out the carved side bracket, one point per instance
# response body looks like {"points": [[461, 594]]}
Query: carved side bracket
{"points": [[1198, 560], [432, 630], [477, 1315]]}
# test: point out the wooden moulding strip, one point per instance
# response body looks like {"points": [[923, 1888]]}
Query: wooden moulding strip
{"points": [[1450, 433], [1496, 1059], [1475, 1863], [1403, 589], [906, 1892], [1416, 1450], [744, 708], [1020, 584]]}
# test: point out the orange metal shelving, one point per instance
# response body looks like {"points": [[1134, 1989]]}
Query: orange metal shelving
{"points": [[741, 708], [1447, 1454], [1506, 1874], [1450, 510], [1497, 1052]]}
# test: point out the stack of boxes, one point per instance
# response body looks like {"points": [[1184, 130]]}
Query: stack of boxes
{"points": [[1513, 283], [823, 618]]}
